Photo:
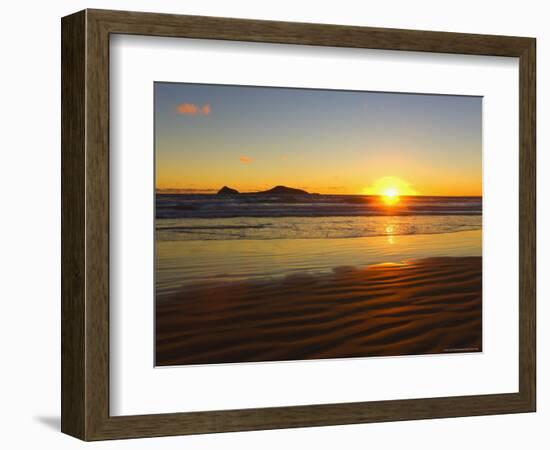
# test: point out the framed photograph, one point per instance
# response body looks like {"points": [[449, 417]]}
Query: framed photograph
{"points": [[273, 225]]}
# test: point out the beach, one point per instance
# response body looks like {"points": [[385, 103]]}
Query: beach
{"points": [[423, 306], [274, 278], [181, 263], [295, 224]]}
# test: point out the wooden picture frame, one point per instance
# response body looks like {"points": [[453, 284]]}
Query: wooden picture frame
{"points": [[85, 224]]}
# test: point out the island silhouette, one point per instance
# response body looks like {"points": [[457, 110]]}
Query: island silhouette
{"points": [[227, 191], [277, 190]]}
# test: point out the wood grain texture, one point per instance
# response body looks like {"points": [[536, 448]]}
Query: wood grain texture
{"points": [[73, 108], [85, 224], [527, 224], [97, 226], [151, 24]]}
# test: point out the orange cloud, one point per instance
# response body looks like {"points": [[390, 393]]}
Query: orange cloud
{"points": [[188, 108], [191, 109], [245, 159]]}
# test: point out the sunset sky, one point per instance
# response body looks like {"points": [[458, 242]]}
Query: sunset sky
{"points": [[326, 141]]}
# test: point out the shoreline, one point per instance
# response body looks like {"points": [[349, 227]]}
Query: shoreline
{"points": [[179, 263], [160, 230]]}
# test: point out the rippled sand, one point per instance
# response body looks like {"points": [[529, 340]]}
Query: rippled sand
{"points": [[424, 306]]}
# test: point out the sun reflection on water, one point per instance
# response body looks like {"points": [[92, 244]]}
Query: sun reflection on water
{"points": [[389, 232]]}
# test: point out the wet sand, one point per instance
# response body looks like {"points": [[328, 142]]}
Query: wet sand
{"points": [[424, 306]]}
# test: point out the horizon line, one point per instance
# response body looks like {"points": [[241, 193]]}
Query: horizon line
{"points": [[191, 191]]}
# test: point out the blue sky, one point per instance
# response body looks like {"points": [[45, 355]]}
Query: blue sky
{"points": [[328, 141]]}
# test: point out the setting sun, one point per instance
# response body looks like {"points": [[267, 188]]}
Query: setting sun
{"points": [[390, 196], [389, 189]]}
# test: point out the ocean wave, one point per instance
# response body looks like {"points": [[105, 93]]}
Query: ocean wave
{"points": [[216, 207], [191, 229]]}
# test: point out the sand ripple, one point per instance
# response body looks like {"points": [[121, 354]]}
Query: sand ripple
{"points": [[426, 306]]}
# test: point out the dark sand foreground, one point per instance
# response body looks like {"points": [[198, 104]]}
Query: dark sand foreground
{"points": [[426, 306]]}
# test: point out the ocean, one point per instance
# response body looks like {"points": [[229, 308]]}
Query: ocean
{"points": [[205, 238]]}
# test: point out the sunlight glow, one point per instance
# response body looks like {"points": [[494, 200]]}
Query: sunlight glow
{"points": [[391, 196], [391, 192], [389, 232], [390, 187]]}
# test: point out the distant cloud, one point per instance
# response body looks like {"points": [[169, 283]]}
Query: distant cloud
{"points": [[245, 159], [190, 109]]}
